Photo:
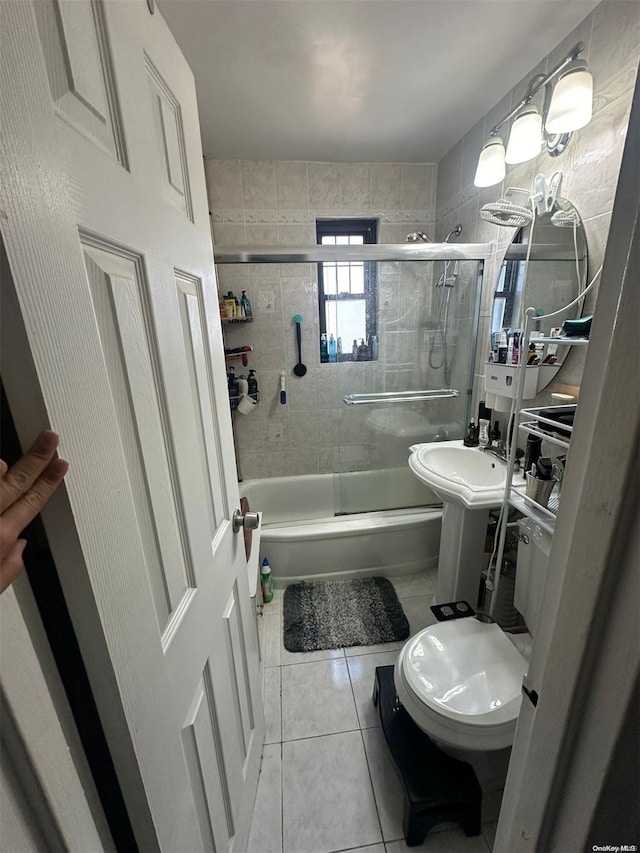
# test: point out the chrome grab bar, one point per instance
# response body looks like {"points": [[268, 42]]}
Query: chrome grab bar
{"points": [[399, 396]]}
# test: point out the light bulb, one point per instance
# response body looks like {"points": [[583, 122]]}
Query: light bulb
{"points": [[525, 139], [491, 167], [572, 100]]}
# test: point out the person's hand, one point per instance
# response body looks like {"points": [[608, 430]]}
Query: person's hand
{"points": [[24, 490]]}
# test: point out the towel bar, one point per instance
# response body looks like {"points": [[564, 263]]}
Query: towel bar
{"points": [[399, 396]]}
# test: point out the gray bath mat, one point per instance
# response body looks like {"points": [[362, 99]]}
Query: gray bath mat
{"points": [[335, 614]]}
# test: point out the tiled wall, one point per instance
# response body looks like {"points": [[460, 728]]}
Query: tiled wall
{"points": [[590, 164], [277, 203]]}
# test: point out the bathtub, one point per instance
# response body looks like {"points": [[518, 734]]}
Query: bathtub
{"points": [[304, 539]]}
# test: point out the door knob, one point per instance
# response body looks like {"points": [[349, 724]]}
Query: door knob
{"points": [[250, 521]]}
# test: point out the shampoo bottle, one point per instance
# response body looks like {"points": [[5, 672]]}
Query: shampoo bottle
{"points": [[246, 304], [252, 382], [234, 388], [333, 349]]}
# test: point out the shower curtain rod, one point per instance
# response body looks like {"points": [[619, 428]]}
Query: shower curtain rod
{"points": [[369, 252]]}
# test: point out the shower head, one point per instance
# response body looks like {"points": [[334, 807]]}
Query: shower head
{"points": [[455, 232], [503, 212], [418, 236]]}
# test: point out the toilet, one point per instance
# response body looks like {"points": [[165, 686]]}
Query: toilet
{"points": [[461, 680]]}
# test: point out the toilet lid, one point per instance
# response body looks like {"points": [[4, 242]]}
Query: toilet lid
{"points": [[467, 670]]}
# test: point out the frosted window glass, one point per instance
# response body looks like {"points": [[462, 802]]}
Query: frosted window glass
{"points": [[347, 320], [329, 278]]}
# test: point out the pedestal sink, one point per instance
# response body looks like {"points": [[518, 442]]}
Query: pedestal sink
{"points": [[470, 483]]}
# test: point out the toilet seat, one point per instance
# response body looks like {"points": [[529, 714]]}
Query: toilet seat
{"points": [[461, 683]]}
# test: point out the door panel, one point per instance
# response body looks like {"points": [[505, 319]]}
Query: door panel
{"points": [[79, 67], [118, 300], [193, 323], [122, 345], [169, 141]]}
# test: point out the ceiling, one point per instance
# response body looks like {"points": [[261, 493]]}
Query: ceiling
{"points": [[357, 80]]}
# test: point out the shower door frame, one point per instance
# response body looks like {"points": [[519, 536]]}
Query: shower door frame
{"points": [[373, 252]]}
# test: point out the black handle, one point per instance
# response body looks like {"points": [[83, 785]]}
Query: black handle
{"points": [[299, 339]]}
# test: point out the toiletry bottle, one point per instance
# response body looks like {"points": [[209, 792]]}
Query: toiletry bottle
{"points": [[483, 433], [230, 306], [495, 432], [266, 581], [510, 351], [333, 349], [324, 349], [515, 351], [237, 308], [252, 382], [354, 350], [246, 304], [471, 435], [375, 348], [243, 385], [339, 348], [234, 388]]}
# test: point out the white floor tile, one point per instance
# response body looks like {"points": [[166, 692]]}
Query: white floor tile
{"points": [[373, 848], [418, 612], [272, 640], [362, 672], [451, 841], [287, 658], [386, 785], [317, 700], [409, 586], [272, 705], [265, 835], [328, 798], [354, 651]]}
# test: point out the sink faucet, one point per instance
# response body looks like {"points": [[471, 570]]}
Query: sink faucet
{"points": [[499, 450]]}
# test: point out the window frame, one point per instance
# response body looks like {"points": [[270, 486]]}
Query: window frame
{"points": [[366, 228]]}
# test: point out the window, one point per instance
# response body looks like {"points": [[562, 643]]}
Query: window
{"points": [[348, 294]]}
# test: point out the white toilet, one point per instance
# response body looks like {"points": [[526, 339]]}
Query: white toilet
{"points": [[461, 680]]}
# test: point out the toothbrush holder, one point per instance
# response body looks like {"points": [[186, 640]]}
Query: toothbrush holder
{"points": [[540, 490]]}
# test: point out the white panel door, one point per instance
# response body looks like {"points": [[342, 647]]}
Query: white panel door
{"points": [[111, 335]]}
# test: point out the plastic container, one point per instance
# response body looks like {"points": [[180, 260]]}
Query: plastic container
{"points": [[266, 581]]}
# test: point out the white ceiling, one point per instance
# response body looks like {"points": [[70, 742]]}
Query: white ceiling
{"points": [[357, 80]]}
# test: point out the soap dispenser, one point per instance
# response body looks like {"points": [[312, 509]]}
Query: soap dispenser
{"points": [[471, 435]]}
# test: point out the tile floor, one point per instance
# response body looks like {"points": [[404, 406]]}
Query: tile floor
{"points": [[327, 783]]}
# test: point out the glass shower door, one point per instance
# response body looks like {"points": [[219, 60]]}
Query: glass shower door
{"points": [[427, 327]]}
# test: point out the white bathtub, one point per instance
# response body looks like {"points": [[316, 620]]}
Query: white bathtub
{"points": [[305, 540]]}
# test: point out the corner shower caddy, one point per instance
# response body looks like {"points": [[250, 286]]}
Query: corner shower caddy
{"points": [[531, 421]]}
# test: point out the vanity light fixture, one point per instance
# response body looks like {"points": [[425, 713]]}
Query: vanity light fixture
{"points": [[572, 101], [567, 107], [491, 163], [525, 139]]}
